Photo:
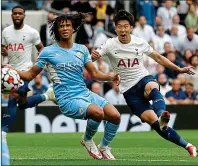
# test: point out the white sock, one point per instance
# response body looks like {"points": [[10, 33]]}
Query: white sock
{"points": [[188, 145], [46, 97], [101, 145]]}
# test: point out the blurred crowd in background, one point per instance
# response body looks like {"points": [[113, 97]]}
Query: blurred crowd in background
{"points": [[169, 26]]}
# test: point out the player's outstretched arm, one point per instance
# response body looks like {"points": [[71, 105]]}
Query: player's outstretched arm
{"points": [[99, 75], [165, 62], [30, 74], [27, 75]]}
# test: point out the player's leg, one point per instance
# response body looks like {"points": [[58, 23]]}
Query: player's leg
{"points": [[32, 101], [112, 117], [5, 156], [166, 132], [82, 109], [94, 115], [24, 102], [140, 106], [152, 92], [10, 114]]}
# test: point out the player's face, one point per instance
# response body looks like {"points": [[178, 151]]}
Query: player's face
{"points": [[18, 16], [65, 29], [123, 30]]}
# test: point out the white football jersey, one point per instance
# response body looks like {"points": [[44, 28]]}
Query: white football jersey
{"points": [[19, 45], [127, 59]]}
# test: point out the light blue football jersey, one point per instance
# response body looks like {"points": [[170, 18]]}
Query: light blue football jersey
{"points": [[66, 69]]}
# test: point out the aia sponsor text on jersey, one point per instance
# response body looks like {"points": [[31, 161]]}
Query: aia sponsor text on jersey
{"points": [[15, 47], [128, 63]]}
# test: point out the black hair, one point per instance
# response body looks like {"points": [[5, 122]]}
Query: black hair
{"points": [[20, 7], [190, 84], [76, 19], [123, 15]]}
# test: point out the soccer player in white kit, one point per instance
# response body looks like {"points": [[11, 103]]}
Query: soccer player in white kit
{"points": [[17, 43], [125, 53]]}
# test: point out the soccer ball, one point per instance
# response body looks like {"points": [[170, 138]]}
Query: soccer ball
{"points": [[10, 81]]}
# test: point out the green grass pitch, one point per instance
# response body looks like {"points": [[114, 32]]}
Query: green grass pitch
{"points": [[130, 148]]}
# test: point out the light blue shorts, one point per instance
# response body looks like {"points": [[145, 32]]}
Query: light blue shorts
{"points": [[77, 108]]}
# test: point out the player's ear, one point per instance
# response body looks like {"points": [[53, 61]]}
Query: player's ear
{"points": [[131, 28], [115, 30], [115, 27]]}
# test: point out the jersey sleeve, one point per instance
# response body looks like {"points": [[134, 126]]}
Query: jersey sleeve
{"points": [[35, 37], [147, 49], [103, 49], [3, 41], [42, 59], [87, 56]]}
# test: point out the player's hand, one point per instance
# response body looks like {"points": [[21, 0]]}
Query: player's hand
{"points": [[116, 79], [9, 66], [95, 55], [4, 51], [187, 70]]}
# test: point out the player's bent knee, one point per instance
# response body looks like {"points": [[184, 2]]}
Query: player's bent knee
{"points": [[111, 114], [113, 118], [149, 87], [94, 112], [116, 118], [99, 114]]}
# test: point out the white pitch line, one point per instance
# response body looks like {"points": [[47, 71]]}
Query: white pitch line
{"points": [[138, 160]]}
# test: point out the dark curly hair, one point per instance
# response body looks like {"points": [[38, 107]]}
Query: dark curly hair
{"points": [[76, 19], [18, 7], [123, 15]]}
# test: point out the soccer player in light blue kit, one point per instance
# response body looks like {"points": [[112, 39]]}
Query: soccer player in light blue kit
{"points": [[66, 61]]}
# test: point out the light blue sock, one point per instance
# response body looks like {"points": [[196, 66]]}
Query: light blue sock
{"points": [[109, 133], [91, 129], [5, 152], [33, 101]]}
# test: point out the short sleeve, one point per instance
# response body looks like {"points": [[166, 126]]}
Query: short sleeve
{"points": [[103, 49], [3, 41], [147, 49], [42, 59], [36, 37], [87, 56]]}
